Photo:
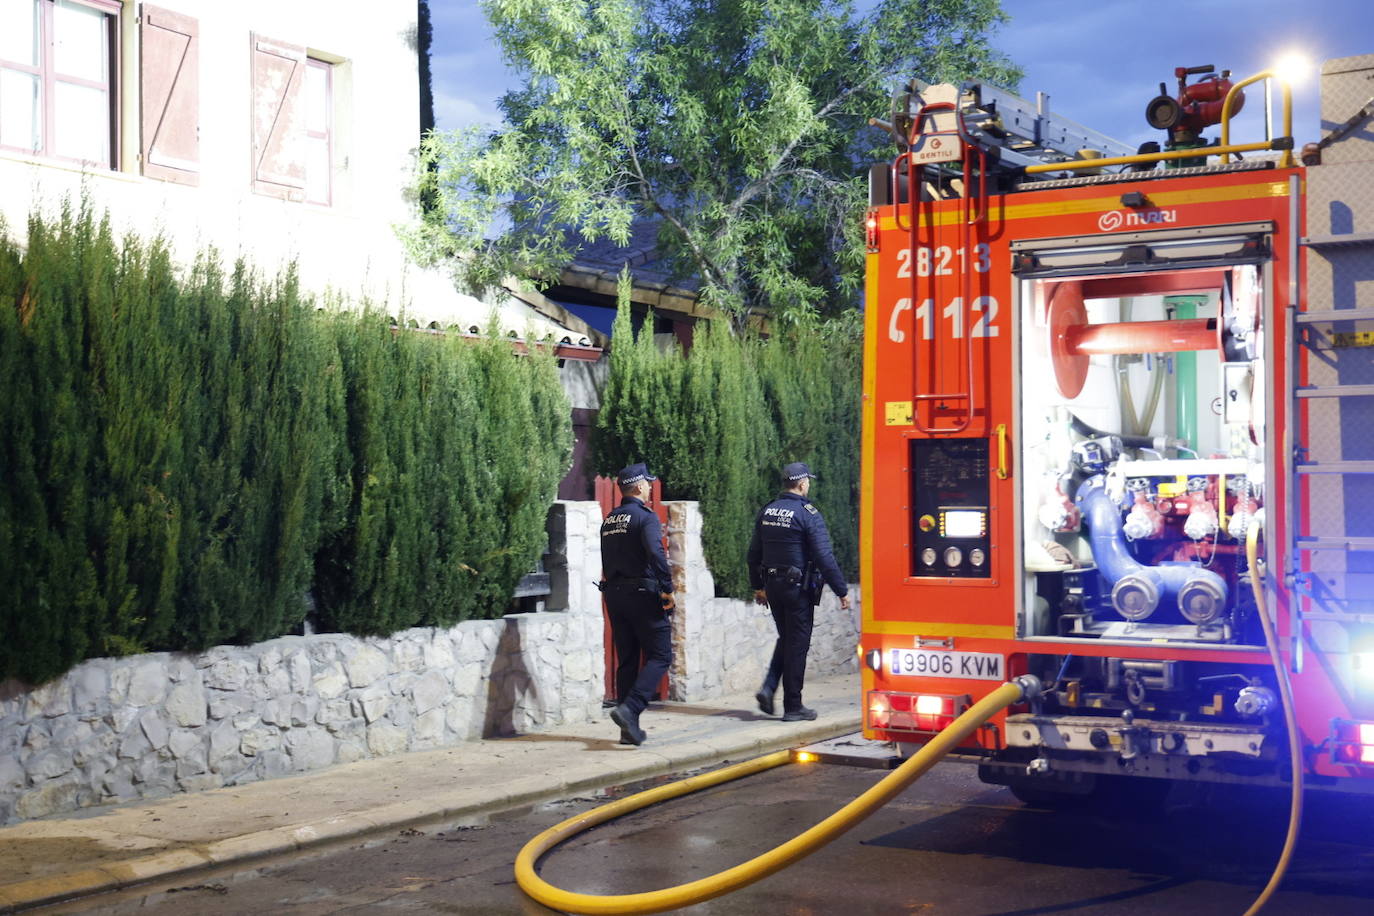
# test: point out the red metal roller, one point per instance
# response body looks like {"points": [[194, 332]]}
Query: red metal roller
{"points": [[1143, 336]]}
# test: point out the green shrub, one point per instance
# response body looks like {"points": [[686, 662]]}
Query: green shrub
{"points": [[718, 424], [184, 459], [459, 447]]}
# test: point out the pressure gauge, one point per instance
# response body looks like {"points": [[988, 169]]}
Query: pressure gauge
{"points": [[977, 556], [953, 556], [928, 556]]}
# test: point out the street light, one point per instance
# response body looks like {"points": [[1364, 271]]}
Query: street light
{"points": [[1293, 68]]}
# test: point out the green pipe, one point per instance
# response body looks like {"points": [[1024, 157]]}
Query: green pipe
{"points": [[1185, 373]]}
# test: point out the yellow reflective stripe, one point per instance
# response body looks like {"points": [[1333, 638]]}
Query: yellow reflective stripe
{"points": [[1158, 200], [869, 419], [908, 628]]}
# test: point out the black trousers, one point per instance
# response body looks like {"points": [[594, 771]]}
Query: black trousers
{"points": [[793, 614], [639, 624]]}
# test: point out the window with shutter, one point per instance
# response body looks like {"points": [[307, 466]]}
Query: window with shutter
{"points": [[278, 126], [170, 93], [319, 131], [58, 69]]}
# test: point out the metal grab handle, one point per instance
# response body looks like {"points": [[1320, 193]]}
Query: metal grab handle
{"points": [[1286, 160], [1003, 467]]}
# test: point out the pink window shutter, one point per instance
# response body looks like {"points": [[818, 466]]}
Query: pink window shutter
{"points": [[169, 85], [278, 123]]}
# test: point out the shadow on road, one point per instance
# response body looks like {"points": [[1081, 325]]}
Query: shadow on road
{"points": [[1230, 834]]}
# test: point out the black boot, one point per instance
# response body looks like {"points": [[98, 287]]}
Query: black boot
{"points": [[630, 732]]}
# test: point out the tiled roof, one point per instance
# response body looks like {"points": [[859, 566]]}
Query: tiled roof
{"points": [[598, 264]]}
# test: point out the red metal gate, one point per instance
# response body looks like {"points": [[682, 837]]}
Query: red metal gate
{"points": [[608, 497]]}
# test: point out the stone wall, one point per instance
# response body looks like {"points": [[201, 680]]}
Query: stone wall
{"points": [[721, 645], [114, 730]]}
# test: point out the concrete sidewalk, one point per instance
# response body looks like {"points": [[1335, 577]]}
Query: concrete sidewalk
{"points": [[102, 849]]}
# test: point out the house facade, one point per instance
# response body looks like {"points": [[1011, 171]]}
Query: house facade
{"points": [[280, 132]]}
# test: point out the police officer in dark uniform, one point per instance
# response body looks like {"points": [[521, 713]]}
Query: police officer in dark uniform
{"points": [[789, 562], [639, 598]]}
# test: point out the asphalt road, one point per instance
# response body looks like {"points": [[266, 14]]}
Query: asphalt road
{"points": [[949, 845]]}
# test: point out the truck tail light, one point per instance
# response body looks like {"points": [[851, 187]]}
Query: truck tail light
{"points": [[871, 231], [1352, 742], [891, 710]]}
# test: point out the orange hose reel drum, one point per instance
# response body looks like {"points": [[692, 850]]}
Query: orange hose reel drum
{"points": [[1065, 313]]}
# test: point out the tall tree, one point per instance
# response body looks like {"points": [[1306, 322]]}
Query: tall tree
{"points": [[739, 125], [424, 38]]}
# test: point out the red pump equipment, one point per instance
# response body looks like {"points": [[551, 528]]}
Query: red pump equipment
{"points": [[1196, 108]]}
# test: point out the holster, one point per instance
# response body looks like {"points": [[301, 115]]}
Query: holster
{"points": [[813, 585]]}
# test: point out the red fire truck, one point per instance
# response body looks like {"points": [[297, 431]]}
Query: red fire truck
{"points": [[1119, 407]]}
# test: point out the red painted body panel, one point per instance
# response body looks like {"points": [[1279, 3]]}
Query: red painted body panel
{"points": [[933, 277]]}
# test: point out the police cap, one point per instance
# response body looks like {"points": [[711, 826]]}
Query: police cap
{"points": [[796, 471], [633, 474]]}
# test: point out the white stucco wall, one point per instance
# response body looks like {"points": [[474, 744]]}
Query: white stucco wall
{"points": [[349, 247]]}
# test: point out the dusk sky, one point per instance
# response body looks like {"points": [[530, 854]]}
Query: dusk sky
{"points": [[1100, 63]]}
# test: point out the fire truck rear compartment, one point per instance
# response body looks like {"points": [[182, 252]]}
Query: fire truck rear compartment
{"points": [[1142, 421]]}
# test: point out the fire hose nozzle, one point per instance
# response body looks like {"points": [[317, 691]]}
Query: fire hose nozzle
{"points": [[1031, 687]]}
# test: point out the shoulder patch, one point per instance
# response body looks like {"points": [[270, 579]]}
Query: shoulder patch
{"points": [[812, 509]]}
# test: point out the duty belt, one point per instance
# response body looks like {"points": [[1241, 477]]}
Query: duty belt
{"points": [[789, 574], [631, 585]]}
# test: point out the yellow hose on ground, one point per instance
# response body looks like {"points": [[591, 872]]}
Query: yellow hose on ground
{"points": [[761, 866], [1290, 718]]}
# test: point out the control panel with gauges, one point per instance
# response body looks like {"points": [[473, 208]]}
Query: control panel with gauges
{"points": [[949, 501]]}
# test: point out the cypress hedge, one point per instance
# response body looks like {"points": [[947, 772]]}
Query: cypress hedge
{"points": [[187, 457], [718, 423]]}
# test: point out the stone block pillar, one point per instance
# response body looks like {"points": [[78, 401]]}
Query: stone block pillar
{"points": [[723, 645]]}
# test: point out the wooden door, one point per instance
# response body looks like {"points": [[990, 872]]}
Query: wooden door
{"points": [[608, 496]]}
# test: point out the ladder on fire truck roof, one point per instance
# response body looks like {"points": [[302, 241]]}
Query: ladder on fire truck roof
{"points": [[1018, 132], [1330, 438], [1021, 142]]}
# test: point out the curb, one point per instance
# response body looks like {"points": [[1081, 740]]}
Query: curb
{"points": [[35, 892]]}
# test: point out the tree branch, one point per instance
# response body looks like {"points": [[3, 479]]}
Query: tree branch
{"points": [[757, 186], [647, 195]]}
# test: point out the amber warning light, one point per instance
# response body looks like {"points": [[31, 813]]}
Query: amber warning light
{"points": [[871, 231]]}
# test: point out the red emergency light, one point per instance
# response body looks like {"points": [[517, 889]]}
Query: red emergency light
{"points": [[1352, 742], [914, 712]]}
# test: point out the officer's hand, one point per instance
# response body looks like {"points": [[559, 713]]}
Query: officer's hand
{"points": [[761, 597], [668, 602], [844, 603]]}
